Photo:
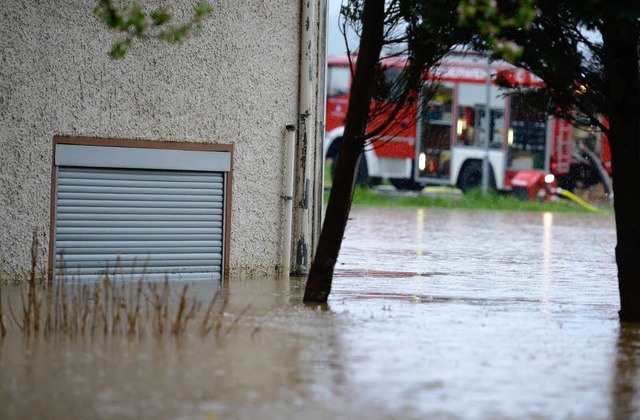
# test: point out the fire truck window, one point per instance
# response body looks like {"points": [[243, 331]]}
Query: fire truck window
{"points": [[496, 128], [527, 136], [439, 104], [338, 81], [465, 125]]}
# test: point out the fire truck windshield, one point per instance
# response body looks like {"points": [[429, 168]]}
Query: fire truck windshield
{"points": [[338, 79]]}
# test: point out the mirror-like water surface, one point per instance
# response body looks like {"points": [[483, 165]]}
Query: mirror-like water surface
{"points": [[433, 314]]}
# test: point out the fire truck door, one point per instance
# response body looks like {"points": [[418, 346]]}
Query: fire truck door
{"points": [[435, 150], [434, 136]]}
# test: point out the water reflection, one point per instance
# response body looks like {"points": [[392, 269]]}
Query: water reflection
{"points": [[433, 314], [516, 253], [626, 373]]}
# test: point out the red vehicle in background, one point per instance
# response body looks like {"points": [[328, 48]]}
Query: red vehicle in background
{"points": [[444, 141]]}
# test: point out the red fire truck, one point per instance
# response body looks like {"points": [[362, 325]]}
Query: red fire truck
{"points": [[444, 141]]}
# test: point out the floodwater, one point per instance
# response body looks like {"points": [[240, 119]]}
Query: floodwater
{"points": [[433, 314]]}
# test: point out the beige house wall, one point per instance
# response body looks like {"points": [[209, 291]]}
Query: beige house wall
{"points": [[236, 83]]}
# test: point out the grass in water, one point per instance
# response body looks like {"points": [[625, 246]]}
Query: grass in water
{"points": [[113, 306]]}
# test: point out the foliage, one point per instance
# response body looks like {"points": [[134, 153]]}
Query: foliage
{"points": [[135, 22], [490, 21], [550, 41], [569, 63]]}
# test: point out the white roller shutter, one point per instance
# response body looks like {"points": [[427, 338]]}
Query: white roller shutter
{"points": [[132, 221]]}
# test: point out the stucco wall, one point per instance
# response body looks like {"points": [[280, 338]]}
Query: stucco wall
{"points": [[235, 83]]}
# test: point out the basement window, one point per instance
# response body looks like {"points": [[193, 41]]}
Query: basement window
{"points": [[139, 208]]}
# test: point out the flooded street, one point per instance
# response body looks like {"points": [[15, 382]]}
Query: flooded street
{"points": [[433, 314]]}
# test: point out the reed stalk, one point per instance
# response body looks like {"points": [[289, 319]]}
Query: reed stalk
{"points": [[176, 326], [106, 287], [3, 327], [133, 307], [234, 324], [205, 328], [85, 309], [34, 302], [48, 310], [26, 313]]}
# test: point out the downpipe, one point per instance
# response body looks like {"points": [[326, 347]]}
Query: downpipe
{"points": [[290, 138], [302, 199]]}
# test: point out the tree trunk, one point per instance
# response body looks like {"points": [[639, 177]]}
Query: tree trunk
{"points": [[622, 86], [320, 277]]}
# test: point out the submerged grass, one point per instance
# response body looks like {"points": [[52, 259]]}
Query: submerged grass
{"points": [[113, 306], [72, 308]]}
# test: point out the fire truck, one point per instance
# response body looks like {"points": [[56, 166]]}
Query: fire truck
{"points": [[445, 137]]}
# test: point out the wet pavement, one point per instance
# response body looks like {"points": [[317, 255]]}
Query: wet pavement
{"points": [[433, 314]]}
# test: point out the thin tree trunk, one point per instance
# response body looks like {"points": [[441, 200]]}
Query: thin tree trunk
{"points": [[620, 38], [320, 277]]}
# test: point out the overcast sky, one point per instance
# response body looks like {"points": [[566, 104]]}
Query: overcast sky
{"points": [[335, 41]]}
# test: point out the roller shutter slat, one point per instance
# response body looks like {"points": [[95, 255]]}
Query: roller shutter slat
{"points": [[182, 264], [139, 175], [142, 210], [151, 257], [134, 196], [94, 230], [98, 271], [141, 244], [140, 223], [178, 204], [149, 277], [140, 251], [148, 237], [69, 190], [111, 217], [68, 184]]}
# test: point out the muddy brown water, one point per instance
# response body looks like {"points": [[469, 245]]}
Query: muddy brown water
{"points": [[433, 314]]}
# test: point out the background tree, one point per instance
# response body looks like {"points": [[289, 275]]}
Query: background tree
{"points": [[423, 32], [593, 78], [554, 46], [318, 284]]}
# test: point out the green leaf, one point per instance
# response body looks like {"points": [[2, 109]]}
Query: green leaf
{"points": [[120, 48], [202, 9], [160, 16], [108, 14]]}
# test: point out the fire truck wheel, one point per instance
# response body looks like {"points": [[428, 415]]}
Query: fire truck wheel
{"points": [[471, 177]]}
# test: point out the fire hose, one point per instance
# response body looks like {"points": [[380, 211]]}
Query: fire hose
{"points": [[571, 196]]}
